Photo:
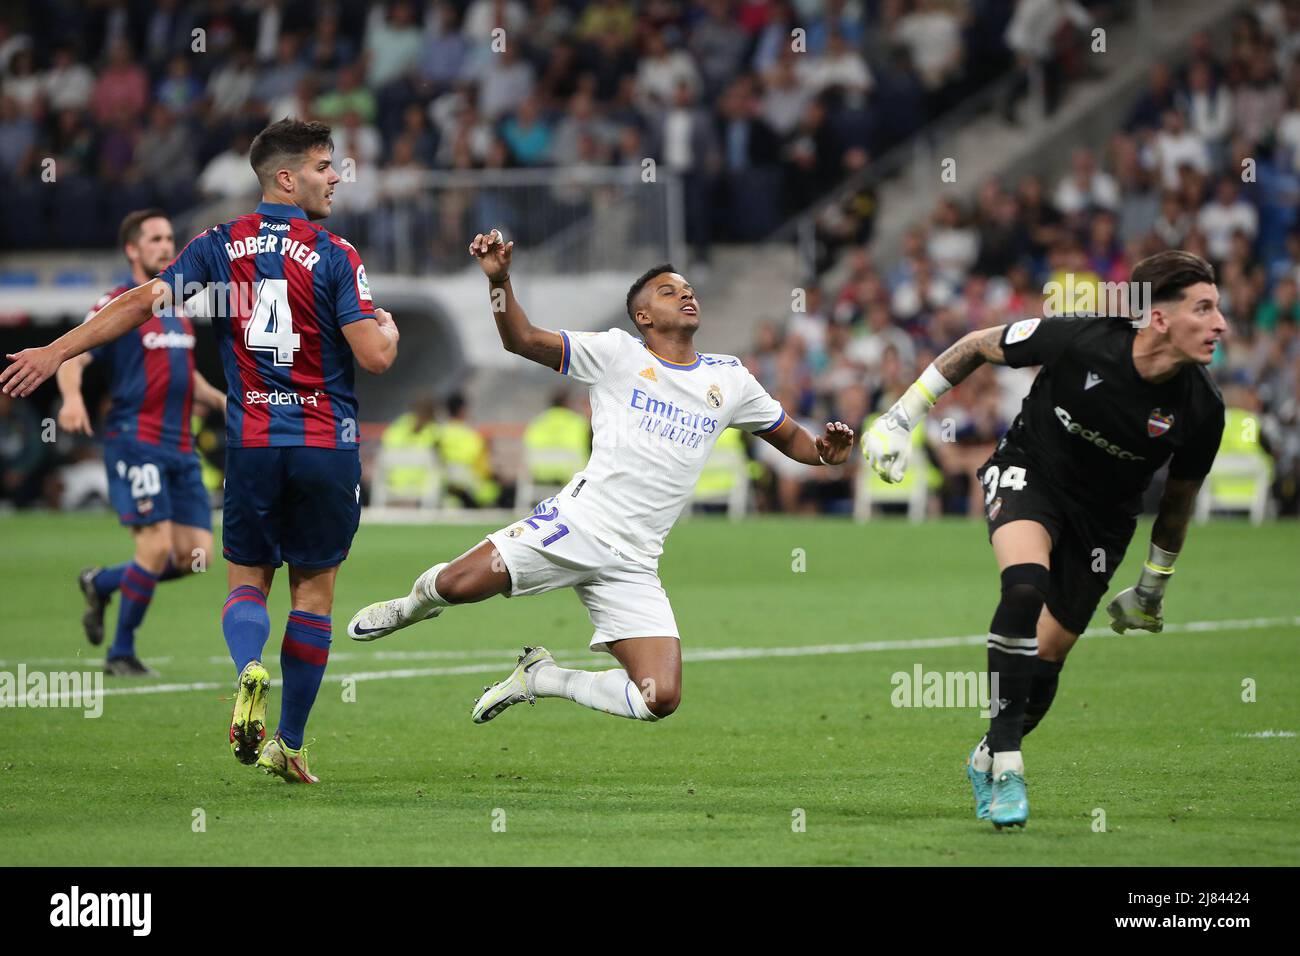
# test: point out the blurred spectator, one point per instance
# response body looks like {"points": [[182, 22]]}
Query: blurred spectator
{"points": [[415, 430], [1225, 216], [393, 42], [228, 174], [1177, 146], [932, 34], [68, 84], [1031, 35], [557, 443], [164, 156], [22, 452], [122, 90], [464, 454], [1086, 187]]}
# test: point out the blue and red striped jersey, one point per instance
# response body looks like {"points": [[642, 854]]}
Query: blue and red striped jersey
{"points": [[281, 289], [150, 378]]}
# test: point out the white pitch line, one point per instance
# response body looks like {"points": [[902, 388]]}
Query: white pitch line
{"points": [[727, 654], [701, 653]]}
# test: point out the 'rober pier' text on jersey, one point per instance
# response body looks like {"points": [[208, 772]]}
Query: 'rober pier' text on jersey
{"points": [[291, 288]]}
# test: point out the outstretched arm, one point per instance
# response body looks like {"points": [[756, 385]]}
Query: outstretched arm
{"points": [[1141, 607], [794, 441], [129, 310], [518, 335], [970, 352], [889, 440]]}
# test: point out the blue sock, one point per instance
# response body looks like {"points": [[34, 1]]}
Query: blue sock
{"points": [[171, 572], [136, 588], [246, 625], [108, 580], [303, 654]]}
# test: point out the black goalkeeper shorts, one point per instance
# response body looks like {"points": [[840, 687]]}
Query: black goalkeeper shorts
{"points": [[1088, 542]]}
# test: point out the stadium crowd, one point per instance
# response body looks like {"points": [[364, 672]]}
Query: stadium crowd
{"points": [[154, 102], [1208, 160]]}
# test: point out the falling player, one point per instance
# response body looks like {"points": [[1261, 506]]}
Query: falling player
{"points": [[293, 310], [658, 407], [154, 479], [1111, 404]]}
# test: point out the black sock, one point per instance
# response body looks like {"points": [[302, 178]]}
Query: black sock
{"points": [[1042, 691], [1014, 675], [1012, 651]]}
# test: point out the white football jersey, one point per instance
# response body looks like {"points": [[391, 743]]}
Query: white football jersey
{"points": [[654, 424]]}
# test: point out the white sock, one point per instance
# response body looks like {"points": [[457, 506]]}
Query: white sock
{"points": [[981, 759], [609, 691], [1010, 760], [424, 597]]}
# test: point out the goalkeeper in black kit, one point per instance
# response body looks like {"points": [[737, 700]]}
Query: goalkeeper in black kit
{"points": [[1114, 401]]}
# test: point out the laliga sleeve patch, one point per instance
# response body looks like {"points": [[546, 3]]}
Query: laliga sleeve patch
{"points": [[1019, 331], [363, 284]]}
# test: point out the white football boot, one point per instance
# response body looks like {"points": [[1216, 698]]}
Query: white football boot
{"points": [[383, 618], [513, 690]]}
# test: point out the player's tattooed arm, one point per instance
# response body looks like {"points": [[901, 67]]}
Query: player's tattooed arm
{"points": [[129, 310], [970, 352], [518, 335], [1175, 515]]}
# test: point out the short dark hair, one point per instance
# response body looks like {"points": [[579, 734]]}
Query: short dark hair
{"points": [[286, 139], [640, 284], [133, 224], [1170, 272]]}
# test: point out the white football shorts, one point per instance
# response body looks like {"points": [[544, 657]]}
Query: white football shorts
{"points": [[544, 552]]}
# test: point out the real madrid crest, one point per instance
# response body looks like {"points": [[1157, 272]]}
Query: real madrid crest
{"points": [[515, 532], [714, 397]]}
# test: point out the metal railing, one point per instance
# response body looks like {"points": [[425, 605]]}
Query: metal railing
{"points": [[571, 219]]}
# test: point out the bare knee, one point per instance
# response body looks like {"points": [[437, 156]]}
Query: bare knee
{"points": [[191, 553], [153, 549], [662, 695]]}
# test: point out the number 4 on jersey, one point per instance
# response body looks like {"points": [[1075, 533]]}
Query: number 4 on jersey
{"points": [[271, 327]]}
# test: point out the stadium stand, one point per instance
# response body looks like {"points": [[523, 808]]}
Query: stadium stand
{"points": [[158, 108]]}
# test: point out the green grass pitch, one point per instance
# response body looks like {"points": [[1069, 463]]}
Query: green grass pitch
{"points": [[1149, 733]]}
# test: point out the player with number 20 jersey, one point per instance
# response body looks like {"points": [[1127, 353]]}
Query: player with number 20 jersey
{"points": [[293, 311]]}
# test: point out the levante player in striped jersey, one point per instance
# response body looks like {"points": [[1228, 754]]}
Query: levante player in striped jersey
{"points": [[292, 309], [154, 478]]}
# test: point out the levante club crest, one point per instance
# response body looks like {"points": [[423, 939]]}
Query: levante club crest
{"points": [[1158, 423]]}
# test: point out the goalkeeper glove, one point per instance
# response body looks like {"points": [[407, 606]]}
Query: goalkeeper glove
{"points": [[1141, 607], [889, 439]]}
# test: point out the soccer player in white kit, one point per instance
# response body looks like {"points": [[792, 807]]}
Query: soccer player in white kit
{"points": [[658, 407]]}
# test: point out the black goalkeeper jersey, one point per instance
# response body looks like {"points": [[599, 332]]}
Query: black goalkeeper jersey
{"points": [[1096, 428]]}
